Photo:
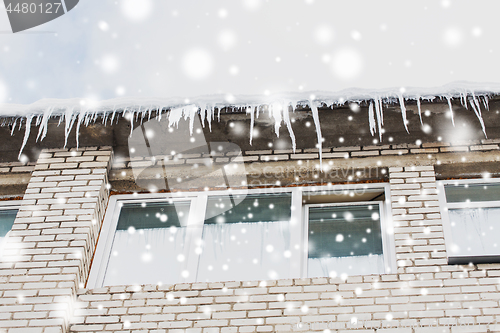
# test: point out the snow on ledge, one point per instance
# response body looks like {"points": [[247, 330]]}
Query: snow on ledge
{"points": [[77, 111]]}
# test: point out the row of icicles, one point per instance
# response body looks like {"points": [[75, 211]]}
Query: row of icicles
{"points": [[278, 111]]}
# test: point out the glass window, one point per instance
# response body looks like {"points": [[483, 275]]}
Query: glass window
{"points": [[472, 192], [247, 241], [471, 216], [344, 240], [7, 218], [149, 245], [242, 235]]}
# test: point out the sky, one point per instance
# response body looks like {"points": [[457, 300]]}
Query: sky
{"points": [[104, 49]]}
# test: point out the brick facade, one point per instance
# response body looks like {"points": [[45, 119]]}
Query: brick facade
{"points": [[49, 250], [54, 236]]}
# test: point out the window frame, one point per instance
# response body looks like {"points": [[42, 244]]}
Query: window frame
{"points": [[197, 213], [445, 218]]}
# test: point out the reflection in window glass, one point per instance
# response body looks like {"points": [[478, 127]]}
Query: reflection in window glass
{"points": [[249, 240], [7, 218], [149, 244], [344, 240], [475, 231], [472, 192]]}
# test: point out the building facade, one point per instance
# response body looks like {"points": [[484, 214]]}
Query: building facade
{"points": [[422, 205]]}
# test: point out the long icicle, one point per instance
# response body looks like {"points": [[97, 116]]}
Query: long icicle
{"points": [[26, 134], [403, 112], [286, 118], [419, 106], [275, 111], [486, 102], [371, 119], [251, 111], [451, 111], [381, 112], [379, 117], [14, 126], [203, 110], [315, 114], [42, 129], [479, 116]]}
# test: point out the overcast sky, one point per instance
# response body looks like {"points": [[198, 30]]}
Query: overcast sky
{"points": [[183, 48]]}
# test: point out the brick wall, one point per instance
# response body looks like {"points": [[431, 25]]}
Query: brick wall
{"points": [[52, 244], [423, 293], [48, 253], [309, 153]]}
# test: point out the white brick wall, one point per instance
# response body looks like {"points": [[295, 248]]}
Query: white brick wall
{"points": [[56, 229], [48, 253], [424, 291]]}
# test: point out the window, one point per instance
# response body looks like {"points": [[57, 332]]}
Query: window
{"points": [[344, 239], [244, 235], [8, 212], [470, 211]]}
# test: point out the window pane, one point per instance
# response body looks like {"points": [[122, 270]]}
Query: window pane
{"points": [[246, 241], [7, 218], [149, 244], [472, 192], [475, 231], [344, 240]]}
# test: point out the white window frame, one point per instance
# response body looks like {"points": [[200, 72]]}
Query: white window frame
{"points": [[196, 218], [445, 205]]}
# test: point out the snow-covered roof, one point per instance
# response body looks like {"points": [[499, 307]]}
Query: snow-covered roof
{"points": [[77, 112]]}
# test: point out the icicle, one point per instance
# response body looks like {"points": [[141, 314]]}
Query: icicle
{"points": [[286, 119], [275, 111], [476, 102], [68, 125], [78, 124], [381, 112], [486, 103], [419, 106], [371, 119], [479, 116], [87, 119], [251, 111], [403, 112], [315, 115], [218, 114], [13, 127], [202, 114], [26, 134], [175, 116], [42, 130], [378, 112], [192, 115], [131, 124], [463, 101], [451, 110], [210, 116]]}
